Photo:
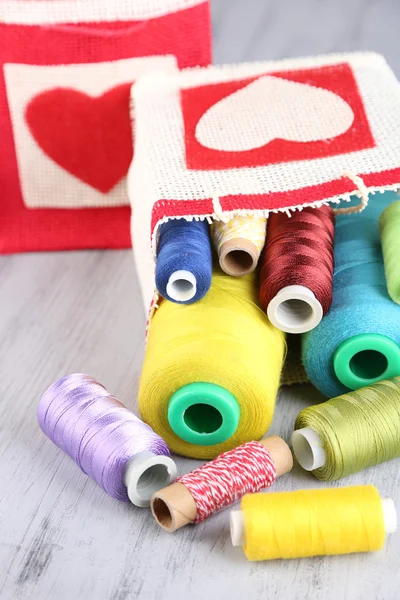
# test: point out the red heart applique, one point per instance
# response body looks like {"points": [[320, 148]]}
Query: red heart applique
{"points": [[90, 137]]}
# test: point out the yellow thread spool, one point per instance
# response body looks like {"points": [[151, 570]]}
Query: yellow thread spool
{"points": [[313, 522], [223, 340]]}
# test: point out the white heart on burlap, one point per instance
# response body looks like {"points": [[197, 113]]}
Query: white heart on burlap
{"points": [[273, 108]]}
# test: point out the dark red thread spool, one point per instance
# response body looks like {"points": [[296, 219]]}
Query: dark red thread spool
{"points": [[297, 268]]}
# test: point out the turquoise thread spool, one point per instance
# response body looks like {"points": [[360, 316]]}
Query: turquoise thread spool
{"points": [[358, 341]]}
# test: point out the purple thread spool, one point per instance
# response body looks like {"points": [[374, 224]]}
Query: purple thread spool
{"points": [[108, 442]]}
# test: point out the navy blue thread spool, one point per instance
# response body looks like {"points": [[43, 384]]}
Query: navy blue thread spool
{"points": [[184, 260]]}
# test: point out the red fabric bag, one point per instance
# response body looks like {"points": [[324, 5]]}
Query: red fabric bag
{"points": [[65, 133]]}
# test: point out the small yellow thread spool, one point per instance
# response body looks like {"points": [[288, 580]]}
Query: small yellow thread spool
{"points": [[239, 243], [224, 341], [313, 522]]}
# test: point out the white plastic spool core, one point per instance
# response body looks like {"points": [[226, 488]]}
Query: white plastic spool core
{"points": [[308, 449], [389, 515], [238, 522], [295, 309], [145, 474], [238, 528], [181, 286]]}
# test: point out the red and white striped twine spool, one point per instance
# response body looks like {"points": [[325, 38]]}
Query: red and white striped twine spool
{"points": [[221, 482]]}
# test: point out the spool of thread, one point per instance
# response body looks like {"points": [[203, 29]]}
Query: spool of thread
{"points": [[184, 260], [109, 443], [349, 433], [221, 482], [357, 342], [297, 268], [211, 370], [389, 226], [239, 243], [313, 523]]}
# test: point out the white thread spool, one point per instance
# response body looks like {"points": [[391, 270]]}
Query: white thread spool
{"points": [[295, 309], [145, 474], [238, 522]]}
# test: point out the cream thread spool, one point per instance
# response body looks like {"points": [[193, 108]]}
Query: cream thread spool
{"points": [[239, 242], [174, 507]]}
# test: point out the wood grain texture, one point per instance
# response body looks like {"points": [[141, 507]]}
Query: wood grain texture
{"points": [[61, 537]]}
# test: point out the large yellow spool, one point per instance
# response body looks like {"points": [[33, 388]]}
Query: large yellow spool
{"points": [[224, 340]]}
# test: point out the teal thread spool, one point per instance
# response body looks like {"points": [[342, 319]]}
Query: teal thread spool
{"points": [[389, 227], [357, 342]]}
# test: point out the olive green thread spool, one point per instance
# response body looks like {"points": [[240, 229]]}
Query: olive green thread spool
{"points": [[389, 229], [351, 432]]}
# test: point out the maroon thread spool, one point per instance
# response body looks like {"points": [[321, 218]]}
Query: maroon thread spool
{"points": [[297, 268]]}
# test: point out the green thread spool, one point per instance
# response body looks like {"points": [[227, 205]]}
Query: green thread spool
{"points": [[351, 432], [389, 229]]}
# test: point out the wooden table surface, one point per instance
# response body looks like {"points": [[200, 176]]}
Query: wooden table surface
{"points": [[62, 537]]}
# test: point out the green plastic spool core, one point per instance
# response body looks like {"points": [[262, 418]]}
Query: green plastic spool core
{"points": [[203, 414], [365, 359]]}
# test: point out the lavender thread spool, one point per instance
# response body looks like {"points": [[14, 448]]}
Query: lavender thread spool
{"points": [[110, 444]]}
